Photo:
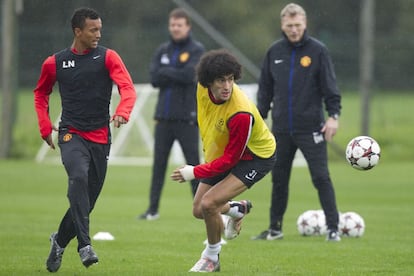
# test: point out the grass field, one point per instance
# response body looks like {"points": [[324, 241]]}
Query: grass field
{"points": [[32, 201]]}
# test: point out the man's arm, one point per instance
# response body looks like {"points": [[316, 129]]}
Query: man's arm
{"points": [[240, 127], [121, 77], [186, 74], [332, 96], [265, 91], [44, 88]]}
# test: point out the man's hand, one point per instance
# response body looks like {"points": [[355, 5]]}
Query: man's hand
{"points": [[330, 128], [182, 174], [49, 139], [118, 121]]}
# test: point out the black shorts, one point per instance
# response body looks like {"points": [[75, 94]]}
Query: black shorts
{"points": [[248, 171]]}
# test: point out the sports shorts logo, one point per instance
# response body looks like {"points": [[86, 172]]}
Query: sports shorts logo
{"points": [[67, 137], [251, 175]]}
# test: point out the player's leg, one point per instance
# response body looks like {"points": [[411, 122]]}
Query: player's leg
{"points": [[315, 153], [96, 177], [187, 134], [285, 153], [215, 201], [77, 166], [208, 204], [281, 172], [163, 141], [75, 158], [97, 172]]}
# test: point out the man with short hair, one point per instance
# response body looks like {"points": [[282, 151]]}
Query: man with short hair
{"points": [[297, 78], [85, 73], [173, 72]]}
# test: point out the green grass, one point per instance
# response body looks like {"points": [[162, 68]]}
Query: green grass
{"points": [[33, 200]]}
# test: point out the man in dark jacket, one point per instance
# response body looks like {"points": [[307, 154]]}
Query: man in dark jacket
{"points": [[297, 78], [173, 72]]}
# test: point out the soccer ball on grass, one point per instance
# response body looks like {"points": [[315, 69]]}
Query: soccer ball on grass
{"points": [[312, 223], [363, 153], [351, 224]]}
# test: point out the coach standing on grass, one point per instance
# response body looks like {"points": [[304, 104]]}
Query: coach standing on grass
{"points": [[297, 79], [85, 73], [173, 72]]}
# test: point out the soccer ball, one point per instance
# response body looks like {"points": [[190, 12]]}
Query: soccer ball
{"points": [[312, 223], [363, 153], [351, 224]]}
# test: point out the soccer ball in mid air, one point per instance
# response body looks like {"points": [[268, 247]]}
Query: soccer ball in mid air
{"points": [[363, 153], [351, 224], [312, 223]]}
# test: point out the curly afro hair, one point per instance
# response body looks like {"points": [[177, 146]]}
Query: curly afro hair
{"points": [[216, 64]]}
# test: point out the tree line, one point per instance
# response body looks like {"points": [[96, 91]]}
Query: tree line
{"points": [[135, 28]]}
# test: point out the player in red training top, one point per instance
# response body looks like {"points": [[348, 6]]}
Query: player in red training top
{"points": [[85, 73]]}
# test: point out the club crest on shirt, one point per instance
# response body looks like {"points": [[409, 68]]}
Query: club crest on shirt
{"points": [[305, 61], [67, 137], [219, 125], [184, 57]]}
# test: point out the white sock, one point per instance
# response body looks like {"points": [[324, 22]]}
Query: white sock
{"points": [[211, 251], [234, 210]]}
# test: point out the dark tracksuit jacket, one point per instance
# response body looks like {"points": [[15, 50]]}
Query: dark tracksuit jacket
{"points": [[297, 79], [172, 71]]}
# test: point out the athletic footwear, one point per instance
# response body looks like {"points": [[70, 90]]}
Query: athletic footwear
{"points": [[88, 256], [232, 226], [243, 206], [149, 216], [269, 235], [333, 235], [55, 256], [206, 265]]}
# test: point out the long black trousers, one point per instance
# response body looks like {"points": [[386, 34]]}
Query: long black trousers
{"points": [[86, 165], [166, 132], [314, 149]]}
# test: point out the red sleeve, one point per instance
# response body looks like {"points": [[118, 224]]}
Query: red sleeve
{"points": [[120, 75], [240, 127], [42, 91]]}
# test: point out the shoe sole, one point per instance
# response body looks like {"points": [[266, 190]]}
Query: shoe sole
{"points": [[272, 238], [198, 269], [247, 206], [233, 233], [149, 217], [334, 240], [90, 262], [51, 266]]}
